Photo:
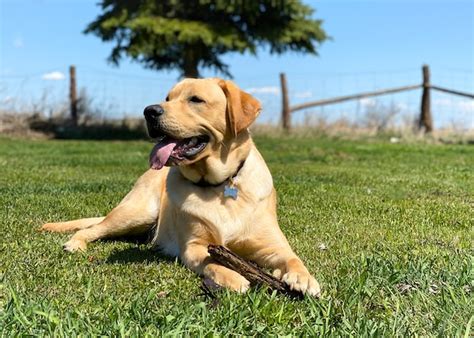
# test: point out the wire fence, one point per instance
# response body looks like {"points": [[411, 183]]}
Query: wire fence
{"points": [[116, 94]]}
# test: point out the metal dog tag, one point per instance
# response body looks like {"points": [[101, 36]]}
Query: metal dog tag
{"points": [[230, 191]]}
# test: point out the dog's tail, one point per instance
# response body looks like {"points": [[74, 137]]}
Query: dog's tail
{"points": [[70, 226]]}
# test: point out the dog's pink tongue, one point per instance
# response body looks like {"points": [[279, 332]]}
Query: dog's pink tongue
{"points": [[161, 153]]}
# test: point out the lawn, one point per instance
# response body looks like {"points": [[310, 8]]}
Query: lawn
{"points": [[387, 229]]}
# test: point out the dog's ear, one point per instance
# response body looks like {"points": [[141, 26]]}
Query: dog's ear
{"points": [[242, 108]]}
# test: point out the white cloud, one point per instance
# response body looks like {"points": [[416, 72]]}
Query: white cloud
{"points": [[304, 95], [443, 102], [269, 90], [464, 106], [467, 106], [367, 102], [401, 106], [54, 76], [18, 42], [7, 99]]}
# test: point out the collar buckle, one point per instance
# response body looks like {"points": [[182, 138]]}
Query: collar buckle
{"points": [[230, 190]]}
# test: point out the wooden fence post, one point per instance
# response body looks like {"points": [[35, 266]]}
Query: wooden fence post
{"points": [[425, 117], [73, 94], [285, 104]]}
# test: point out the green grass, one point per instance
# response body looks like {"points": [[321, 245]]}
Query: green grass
{"points": [[397, 221]]}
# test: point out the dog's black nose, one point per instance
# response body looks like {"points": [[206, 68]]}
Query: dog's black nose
{"points": [[154, 111]]}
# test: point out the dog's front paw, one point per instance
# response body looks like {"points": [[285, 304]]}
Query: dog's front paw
{"points": [[74, 245], [302, 281], [232, 280]]}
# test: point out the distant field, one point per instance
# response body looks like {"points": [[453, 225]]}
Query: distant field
{"points": [[387, 229]]}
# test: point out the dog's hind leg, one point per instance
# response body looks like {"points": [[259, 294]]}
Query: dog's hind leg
{"points": [[136, 214], [69, 226]]}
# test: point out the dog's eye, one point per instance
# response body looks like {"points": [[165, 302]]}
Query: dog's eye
{"points": [[196, 99], [167, 98]]}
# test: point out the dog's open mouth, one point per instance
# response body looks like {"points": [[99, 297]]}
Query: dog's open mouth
{"points": [[171, 151]]}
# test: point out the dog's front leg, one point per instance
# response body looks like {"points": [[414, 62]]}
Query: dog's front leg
{"points": [[196, 257], [293, 272], [274, 252], [290, 269]]}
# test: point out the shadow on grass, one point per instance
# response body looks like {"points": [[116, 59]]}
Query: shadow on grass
{"points": [[138, 255]]}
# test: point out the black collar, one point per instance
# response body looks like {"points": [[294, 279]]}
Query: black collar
{"points": [[203, 183]]}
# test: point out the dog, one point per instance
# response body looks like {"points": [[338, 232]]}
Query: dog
{"points": [[207, 184]]}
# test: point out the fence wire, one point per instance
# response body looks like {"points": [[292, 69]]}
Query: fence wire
{"points": [[115, 94]]}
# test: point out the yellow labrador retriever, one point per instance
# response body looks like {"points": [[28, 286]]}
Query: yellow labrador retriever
{"points": [[207, 184]]}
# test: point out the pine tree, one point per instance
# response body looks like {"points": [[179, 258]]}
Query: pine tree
{"points": [[193, 35]]}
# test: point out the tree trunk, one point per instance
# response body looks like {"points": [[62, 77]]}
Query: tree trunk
{"points": [[190, 63]]}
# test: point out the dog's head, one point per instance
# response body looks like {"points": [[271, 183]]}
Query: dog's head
{"points": [[198, 119]]}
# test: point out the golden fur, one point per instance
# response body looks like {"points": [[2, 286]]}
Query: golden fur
{"points": [[187, 217]]}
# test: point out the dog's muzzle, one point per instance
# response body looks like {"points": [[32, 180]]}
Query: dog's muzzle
{"points": [[152, 116]]}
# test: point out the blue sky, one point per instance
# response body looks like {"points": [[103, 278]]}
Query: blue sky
{"points": [[376, 44]]}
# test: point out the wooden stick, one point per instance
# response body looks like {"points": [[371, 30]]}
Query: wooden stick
{"points": [[253, 273]]}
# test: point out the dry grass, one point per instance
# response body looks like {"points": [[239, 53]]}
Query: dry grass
{"points": [[34, 126], [345, 130], [18, 125]]}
